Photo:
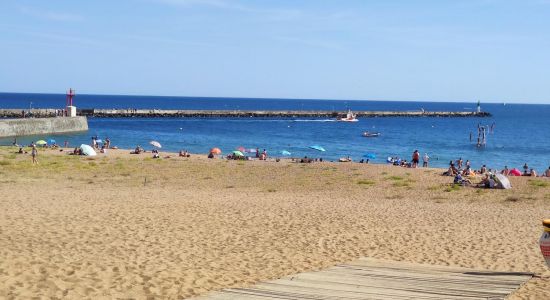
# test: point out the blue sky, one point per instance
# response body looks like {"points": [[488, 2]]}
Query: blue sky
{"points": [[463, 50]]}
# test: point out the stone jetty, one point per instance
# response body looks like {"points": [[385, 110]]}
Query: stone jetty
{"points": [[147, 113]]}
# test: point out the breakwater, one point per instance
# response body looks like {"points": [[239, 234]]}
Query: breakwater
{"points": [[147, 113], [35, 126], [115, 113]]}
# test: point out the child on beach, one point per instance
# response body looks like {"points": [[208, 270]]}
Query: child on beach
{"points": [[34, 153]]}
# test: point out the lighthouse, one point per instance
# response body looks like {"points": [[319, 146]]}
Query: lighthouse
{"points": [[71, 109]]}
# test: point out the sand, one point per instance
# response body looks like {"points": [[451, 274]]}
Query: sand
{"points": [[128, 226]]}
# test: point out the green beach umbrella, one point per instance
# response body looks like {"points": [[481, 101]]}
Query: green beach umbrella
{"points": [[238, 153], [41, 142]]}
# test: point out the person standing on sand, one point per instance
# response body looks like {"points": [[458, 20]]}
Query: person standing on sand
{"points": [[425, 160], [34, 153], [415, 159]]}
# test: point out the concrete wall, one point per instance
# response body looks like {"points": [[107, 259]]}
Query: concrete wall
{"points": [[22, 127]]}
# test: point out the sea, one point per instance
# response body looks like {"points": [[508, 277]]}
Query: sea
{"points": [[521, 132]]}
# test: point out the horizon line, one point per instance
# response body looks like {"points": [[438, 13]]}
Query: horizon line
{"points": [[274, 98]]}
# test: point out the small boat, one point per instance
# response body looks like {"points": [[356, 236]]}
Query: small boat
{"points": [[350, 117], [371, 134]]}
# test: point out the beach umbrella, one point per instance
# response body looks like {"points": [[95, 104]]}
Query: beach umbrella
{"points": [[238, 153], [215, 151], [41, 142], [284, 152], [318, 148], [503, 181], [87, 150], [515, 172], [370, 156], [51, 141], [155, 144], [241, 148]]}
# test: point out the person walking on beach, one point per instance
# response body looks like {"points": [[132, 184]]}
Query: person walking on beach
{"points": [[415, 159], [425, 160], [34, 153]]}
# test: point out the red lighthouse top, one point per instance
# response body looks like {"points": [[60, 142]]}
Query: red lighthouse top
{"points": [[70, 95]]}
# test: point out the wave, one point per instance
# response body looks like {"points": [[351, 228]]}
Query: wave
{"points": [[323, 120]]}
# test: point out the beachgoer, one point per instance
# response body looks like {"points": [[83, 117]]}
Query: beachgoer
{"points": [[533, 173], [467, 163], [34, 153], [20, 150], [483, 169], [210, 155], [425, 160], [459, 163], [547, 172], [257, 152], [525, 168], [505, 171], [415, 159]]}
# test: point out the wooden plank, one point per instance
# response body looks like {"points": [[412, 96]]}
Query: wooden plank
{"points": [[369, 278]]}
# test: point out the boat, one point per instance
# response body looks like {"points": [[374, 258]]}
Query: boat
{"points": [[371, 134], [350, 117]]}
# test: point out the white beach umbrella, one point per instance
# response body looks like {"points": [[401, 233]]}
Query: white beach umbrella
{"points": [[87, 150], [156, 144], [503, 180]]}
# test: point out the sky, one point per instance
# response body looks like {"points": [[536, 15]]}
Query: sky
{"points": [[440, 50]]}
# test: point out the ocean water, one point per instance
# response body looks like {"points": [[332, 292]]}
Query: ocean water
{"points": [[521, 132]]}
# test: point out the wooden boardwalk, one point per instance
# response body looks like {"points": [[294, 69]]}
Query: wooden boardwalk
{"points": [[369, 278]]}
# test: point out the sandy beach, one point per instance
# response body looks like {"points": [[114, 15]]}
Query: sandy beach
{"points": [[128, 226]]}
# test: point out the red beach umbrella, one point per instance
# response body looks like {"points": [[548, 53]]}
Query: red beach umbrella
{"points": [[241, 148], [515, 172], [216, 151]]}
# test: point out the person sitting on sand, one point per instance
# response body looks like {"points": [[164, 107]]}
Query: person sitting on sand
{"points": [[460, 180], [467, 171], [20, 150], [487, 181], [181, 154], [533, 173], [547, 172], [210, 155]]}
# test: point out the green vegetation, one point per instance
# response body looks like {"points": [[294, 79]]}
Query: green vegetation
{"points": [[452, 188], [366, 182], [5, 162], [539, 183]]}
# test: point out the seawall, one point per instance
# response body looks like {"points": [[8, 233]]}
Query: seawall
{"points": [[34, 126], [116, 113], [148, 113]]}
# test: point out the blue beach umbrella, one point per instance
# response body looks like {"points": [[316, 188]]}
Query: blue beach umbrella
{"points": [[370, 156], [318, 148], [286, 153]]}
